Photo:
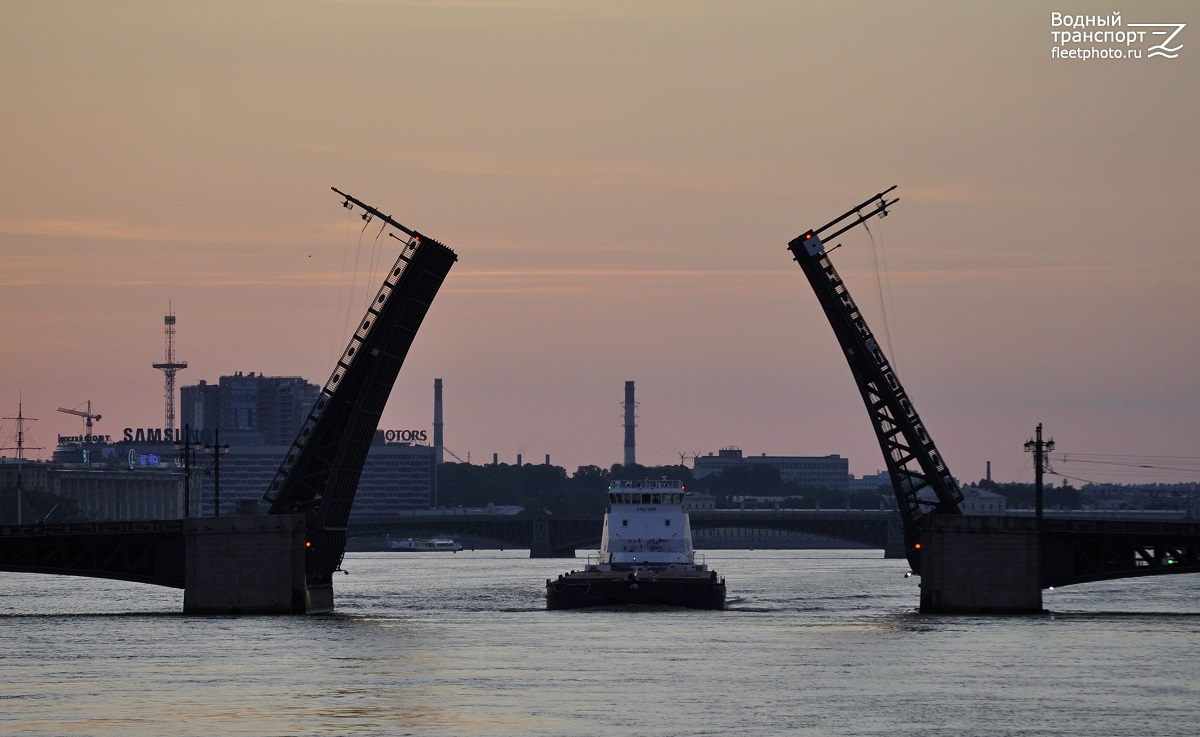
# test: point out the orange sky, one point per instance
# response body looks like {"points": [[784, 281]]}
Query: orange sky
{"points": [[620, 181]]}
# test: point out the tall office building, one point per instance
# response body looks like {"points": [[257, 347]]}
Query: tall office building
{"points": [[258, 417], [250, 409]]}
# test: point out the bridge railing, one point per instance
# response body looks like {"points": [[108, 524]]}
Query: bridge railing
{"points": [[113, 527]]}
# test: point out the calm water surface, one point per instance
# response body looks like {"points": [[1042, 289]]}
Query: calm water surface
{"points": [[814, 643]]}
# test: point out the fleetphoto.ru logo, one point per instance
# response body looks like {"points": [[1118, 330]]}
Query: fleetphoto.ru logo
{"points": [[1109, 37]]}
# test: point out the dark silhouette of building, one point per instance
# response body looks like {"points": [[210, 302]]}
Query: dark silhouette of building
{"points": [[249, 409]]}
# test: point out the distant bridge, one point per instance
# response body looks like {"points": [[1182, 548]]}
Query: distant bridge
{"points": [[562, 536]]}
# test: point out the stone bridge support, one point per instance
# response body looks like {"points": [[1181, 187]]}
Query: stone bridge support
{"points": [[248, 565], [980, 565]]}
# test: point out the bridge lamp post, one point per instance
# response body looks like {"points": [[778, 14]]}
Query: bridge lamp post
{"points": [[217, 450]]}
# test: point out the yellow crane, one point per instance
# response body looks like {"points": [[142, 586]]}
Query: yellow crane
{"points": [[87, 416]]}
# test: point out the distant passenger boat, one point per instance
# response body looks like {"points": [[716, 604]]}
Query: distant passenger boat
{"points": [[416, 545]]}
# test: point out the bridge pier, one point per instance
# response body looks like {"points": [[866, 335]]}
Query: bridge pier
{"points": [[980, 565], [894, 547], [546, 550], [248, 565]]}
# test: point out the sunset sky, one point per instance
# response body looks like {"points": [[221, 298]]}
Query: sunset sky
{"points": [[620, 181]]}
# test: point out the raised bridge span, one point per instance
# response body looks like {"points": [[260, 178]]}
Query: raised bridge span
{"points": [[283, 561]]}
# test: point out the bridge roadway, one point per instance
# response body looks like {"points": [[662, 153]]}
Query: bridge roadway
{"points": [[1074, 547], [148, 551]]}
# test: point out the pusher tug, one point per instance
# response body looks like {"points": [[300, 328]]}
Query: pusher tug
{"points": [[646, 556]]}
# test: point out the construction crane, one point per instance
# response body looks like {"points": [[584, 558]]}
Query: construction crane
{"points": [[922, 482], [87, 416]]}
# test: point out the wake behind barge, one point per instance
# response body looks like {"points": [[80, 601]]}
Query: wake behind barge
{"points": [[646, 556]]}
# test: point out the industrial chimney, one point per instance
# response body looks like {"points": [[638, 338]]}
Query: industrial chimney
{"points": [[630, 423], [437, 422]]}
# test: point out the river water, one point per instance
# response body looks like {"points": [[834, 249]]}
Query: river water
{"points": [[813, 643]]}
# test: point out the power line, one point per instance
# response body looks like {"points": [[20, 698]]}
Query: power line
{"points": [[1182, 464]]}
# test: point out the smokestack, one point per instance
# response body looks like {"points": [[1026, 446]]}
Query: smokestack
{"points": [[630, 423], [518, 459], [989, 472], [437, 421]]}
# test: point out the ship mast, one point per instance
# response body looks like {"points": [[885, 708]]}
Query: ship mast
{"points": [[20, 448]]}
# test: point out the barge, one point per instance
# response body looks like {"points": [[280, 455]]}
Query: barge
{"points": [[646, 556]]}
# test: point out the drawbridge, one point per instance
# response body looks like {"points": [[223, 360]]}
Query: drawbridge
{"points": [[975, 563], [311, 494], [319, 475], [913, 461]]}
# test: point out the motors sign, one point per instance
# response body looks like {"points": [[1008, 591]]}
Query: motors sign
{"points": [[404, 436]]}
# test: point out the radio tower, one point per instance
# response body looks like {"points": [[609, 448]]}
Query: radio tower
{"points": [[169, 367]]}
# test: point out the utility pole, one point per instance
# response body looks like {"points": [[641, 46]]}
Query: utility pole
{"points": [[1039, 450], [188, 448], [217, 451]]}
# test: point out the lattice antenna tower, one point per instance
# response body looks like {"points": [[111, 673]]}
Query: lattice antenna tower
{"points": [[169, 367]]}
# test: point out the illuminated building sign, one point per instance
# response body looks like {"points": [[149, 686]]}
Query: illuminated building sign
{"points": [[136, 459], [404, 436], [66, 439]]}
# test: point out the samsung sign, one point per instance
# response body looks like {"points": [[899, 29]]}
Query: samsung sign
{"points": [[160, 435]]}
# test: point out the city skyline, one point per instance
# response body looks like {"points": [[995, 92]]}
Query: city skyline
{"points": [[620, 183]]}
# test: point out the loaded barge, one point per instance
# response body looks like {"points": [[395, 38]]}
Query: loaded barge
{"points": [[646, 556]]}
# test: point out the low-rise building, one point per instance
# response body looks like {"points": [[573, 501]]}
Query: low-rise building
{"points": [[821, 472], [977, 500]]}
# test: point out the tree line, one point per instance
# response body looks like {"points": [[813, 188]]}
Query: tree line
{"points": [[545, 489]]}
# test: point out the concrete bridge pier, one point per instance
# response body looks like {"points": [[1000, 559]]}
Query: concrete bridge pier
{"points": [[541, 547], [248, 565], [545, 550], [980, 565], [894, 547]]}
